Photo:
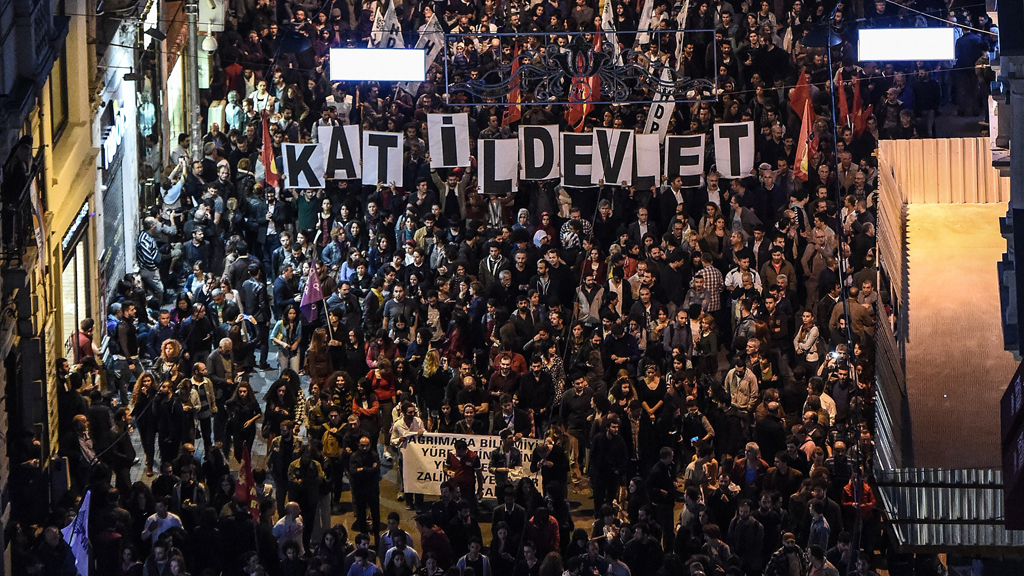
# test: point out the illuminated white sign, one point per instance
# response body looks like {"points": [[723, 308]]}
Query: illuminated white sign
{"points": [[378, 64], [906, 44], [112, 137]]}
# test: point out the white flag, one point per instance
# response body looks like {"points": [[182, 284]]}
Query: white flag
{"points": [[377, 32], [608, 26], [646, 15], [431, 42], [76, 535], [392, 37], [661, 110], [681, 25]]}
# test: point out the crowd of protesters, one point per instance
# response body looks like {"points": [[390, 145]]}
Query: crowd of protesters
{"points": [[698, 361]]}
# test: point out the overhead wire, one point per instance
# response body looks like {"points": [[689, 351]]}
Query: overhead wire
{"points": [[947, 21]]}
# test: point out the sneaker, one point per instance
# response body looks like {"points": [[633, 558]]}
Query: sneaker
{"points": [[401, 498]]}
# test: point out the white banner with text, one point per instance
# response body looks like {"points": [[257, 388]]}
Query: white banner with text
{"points": [[424, 457]]}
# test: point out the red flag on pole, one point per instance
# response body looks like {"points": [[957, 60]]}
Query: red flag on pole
{"points": [[801, 93], [584, 90], [806, 145], [860, 114], [844, 107], [267, 155], [246, 487], [514, 112]]}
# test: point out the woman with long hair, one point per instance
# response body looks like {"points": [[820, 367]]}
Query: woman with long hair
{"points": [[637, 497], [144, 414], [222, 494], [652, 391], [355, 353], [332, 547], [280, 407], [503, 550], [168, 431], [287, 335], [433, 379], [337, 391], [326, 229], [379, 254], [384, 382], [140, 505], [243, 415], [397, 565], [366, 405], [169, 365], [430, 566], [318, 360], [295, 390], [716, 239], [182, 308], [707, 221], [196, 279], [230, 293], [621, 395], [381, 347], [806, 343], [705, 346]]}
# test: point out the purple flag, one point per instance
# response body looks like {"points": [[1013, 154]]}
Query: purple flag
{"points": [[311, 294]]}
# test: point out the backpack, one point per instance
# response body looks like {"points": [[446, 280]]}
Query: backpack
{"points": [[331, 446]]}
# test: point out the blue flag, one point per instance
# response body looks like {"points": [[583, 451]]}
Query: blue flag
{"points": [[76, 535]]}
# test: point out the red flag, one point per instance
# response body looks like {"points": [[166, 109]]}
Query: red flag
{"points": [[246, 487], [585, 90], [860, 115], [844, 107], [806, 145], [801, 93], [514, 112], [267, 156]]}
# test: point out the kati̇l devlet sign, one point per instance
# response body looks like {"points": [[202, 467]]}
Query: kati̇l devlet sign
{"points": [[424, 457], [540, 153]]}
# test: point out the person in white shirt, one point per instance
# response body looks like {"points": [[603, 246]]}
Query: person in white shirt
{"points": [[409, 425], [161, 521], [734, 279], [289, 528]]}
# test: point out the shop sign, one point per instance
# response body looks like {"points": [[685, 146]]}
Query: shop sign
{"points": [[112, 136]]}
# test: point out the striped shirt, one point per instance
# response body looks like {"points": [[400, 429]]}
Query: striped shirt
{"points": [[147, 252]]}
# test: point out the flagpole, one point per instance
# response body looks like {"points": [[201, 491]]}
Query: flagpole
{"points": [[327, 314]]}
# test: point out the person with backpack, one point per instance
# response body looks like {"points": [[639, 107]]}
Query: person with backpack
{"points": [[333, 442]]}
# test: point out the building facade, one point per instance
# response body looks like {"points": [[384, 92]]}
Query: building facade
{"points": [[64, 132]]}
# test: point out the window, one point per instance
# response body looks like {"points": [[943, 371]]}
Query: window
{"points": [[59, 95]]}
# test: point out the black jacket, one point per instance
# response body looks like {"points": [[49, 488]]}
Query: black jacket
{"points": [[255, 302]]}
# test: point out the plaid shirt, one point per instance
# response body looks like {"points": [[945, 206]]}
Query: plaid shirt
{"points": [[713, 284]]}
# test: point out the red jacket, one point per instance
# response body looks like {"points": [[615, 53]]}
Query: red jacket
{"points": [[545, 536], [383, 387], [867, 500]]}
